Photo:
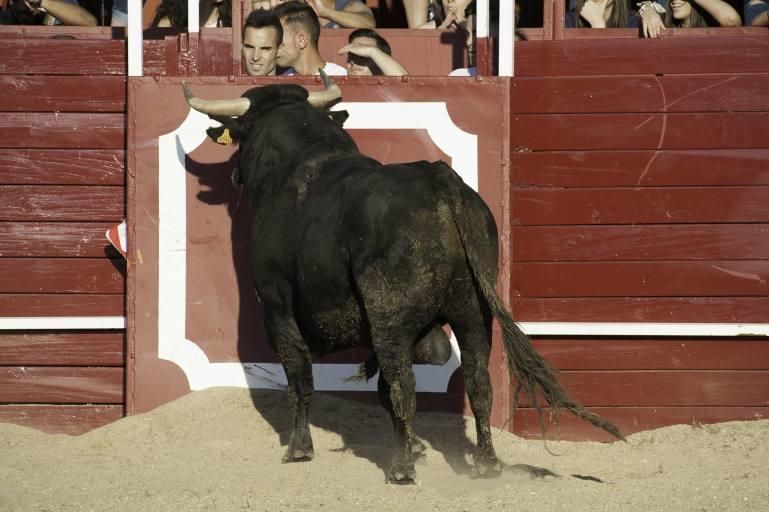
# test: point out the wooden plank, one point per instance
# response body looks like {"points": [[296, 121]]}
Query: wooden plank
{"points": [[649, 168], [641, 279], [643, 309], [644, 242], [61, 419], [62, 167], [55, 239], [640, 206], [655, 354], [710, 54], [214, 52], [60, 32], [525, 422], [605, 94], [715, 130], [32, 305], [668, 388], [154, 57], [23, 93], [81, 348], [62, 275], [82, 56], [61, 203], [70, 130], [49, 385]]}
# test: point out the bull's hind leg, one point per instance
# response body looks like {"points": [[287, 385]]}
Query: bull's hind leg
{"points": [[397, 391], [295, 356], [471, 320]]}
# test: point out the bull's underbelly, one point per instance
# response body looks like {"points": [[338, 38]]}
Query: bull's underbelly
{"points": [[329, 329]]}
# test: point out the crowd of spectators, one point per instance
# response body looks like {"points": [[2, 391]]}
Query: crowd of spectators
{"points": [[651, 17]]}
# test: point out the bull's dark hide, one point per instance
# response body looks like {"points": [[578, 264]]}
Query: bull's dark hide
{"points": [[349, 252]]}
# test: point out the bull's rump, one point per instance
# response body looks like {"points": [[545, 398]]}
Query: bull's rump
{"points": [[391, 226]]}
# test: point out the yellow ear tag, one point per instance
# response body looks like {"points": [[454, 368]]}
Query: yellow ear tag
{"points": [[225, 138]]}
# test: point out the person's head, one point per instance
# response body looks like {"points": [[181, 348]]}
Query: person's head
{"points": [[616, 9], [262, 34], [301, 31], [681, 13], [364, 66]]}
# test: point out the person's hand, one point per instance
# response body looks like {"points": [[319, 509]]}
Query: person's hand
{"points": [[361, 50], [651, 23], [33, 5], [593, 11], [449, 20], [458, 8], [319, 7]]}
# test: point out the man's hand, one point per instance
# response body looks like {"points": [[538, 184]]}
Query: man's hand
{"points": [[651, 23], [593, 11]]}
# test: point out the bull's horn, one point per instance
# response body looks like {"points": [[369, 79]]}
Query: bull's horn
{"points": [[324, 99], [232, 108]]}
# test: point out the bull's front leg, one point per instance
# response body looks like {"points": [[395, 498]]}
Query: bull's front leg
{"points": [[295, 356]]}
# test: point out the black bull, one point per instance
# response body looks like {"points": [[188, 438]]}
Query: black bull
{"points": [[349, 252]]}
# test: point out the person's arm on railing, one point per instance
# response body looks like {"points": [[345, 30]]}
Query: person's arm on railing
{"points": [[66, 13], [721, 11], [355, 15]]}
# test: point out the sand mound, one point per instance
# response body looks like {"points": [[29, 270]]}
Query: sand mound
{"points": [[220, 449]]}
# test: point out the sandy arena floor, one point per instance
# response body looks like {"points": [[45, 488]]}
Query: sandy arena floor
{"points": [[213, 450]]}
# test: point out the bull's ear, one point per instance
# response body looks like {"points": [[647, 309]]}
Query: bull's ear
{"points": [[339, 116], [228, 133], [221, 135]]}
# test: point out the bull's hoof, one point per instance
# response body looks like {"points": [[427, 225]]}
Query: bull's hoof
{"points": [[298, 455], [487, 467], [402, 474], [418, 448]]}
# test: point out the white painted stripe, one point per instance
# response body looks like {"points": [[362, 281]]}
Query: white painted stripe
{"points": [[482, 19], [135, 39], [642, 329], [61, 322], [506, 37], [530, 328], [193, 17]]}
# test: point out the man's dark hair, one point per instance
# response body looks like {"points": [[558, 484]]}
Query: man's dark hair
{"points": [[301, 14], [263, 18], [381, 42]]}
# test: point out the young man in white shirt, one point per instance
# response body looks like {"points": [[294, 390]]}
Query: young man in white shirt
{"points": [[299, 53]]}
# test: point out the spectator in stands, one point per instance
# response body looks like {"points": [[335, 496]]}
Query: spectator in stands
{"points": [[615, 14], [47, 12], [756, 13], [701, 13], [262, 34], [369, 54], [298, 54], [343, 13], [451, 14], [213, 13]]}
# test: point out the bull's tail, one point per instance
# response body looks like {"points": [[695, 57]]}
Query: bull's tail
{"points": [[531, 371]]}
